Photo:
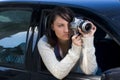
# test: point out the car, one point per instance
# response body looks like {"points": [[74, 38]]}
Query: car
{"points": [[23, 22]]}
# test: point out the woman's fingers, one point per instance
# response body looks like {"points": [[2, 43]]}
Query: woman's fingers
{"points": [[76, 39]]}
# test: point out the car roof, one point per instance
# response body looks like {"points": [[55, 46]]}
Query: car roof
{"points": [[98, 5]]}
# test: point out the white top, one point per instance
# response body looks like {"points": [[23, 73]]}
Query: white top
{"points": [[84, 55]]}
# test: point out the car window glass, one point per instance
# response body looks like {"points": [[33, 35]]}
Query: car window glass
{"points": [[13, 31]]}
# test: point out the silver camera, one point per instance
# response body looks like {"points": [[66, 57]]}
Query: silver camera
{"points": [[84, 25]]}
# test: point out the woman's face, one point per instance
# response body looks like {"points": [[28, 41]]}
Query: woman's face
{"points": [[61, 29]]}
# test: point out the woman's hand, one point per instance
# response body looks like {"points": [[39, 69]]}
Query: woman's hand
{"points": [[76, 40], [89, 34]]}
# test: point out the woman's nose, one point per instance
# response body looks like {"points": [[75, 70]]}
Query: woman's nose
{"points": [[66, 29]]}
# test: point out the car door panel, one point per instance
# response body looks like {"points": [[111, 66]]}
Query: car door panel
{"points": [[13, 74]]}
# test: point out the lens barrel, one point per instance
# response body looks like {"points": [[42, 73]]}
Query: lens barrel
{"points": [[85, 26]]}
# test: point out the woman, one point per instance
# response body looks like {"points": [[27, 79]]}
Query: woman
{"points": [[61, 52]]}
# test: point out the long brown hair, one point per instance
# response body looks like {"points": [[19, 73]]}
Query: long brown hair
{"points": [[65, 13]]}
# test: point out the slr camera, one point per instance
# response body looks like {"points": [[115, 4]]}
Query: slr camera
{"points": [[84, 25]]}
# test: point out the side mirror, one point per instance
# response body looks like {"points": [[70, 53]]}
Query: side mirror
{"points": [[111, 74]]}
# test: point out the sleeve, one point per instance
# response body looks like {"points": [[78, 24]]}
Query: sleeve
{"points": [[59, 69], [88, 62]]}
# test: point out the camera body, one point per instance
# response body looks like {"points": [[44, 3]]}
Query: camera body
{"points": [[84, 25]]}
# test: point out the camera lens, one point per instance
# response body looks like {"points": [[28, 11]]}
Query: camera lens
{"points": [[86, 26]]}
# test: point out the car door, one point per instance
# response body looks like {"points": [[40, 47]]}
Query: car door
{"points": [[15, 21]]}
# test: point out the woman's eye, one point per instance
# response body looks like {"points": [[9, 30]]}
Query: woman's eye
{"points": [[61, 25]]}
